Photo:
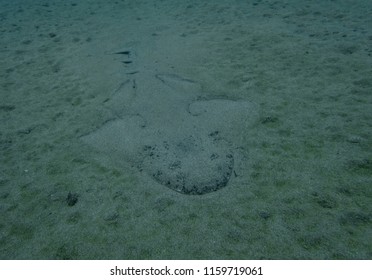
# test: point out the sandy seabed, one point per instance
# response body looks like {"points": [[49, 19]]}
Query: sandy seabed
{"points": [[302, 188]]}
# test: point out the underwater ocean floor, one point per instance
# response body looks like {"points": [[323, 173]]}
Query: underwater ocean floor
{"points": [[185, 129]]}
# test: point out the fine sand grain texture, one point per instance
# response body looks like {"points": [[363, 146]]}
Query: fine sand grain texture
{"points": [[185, 129]]}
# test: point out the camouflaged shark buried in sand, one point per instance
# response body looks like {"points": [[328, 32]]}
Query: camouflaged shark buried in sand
{"points": [[182, 141]]}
